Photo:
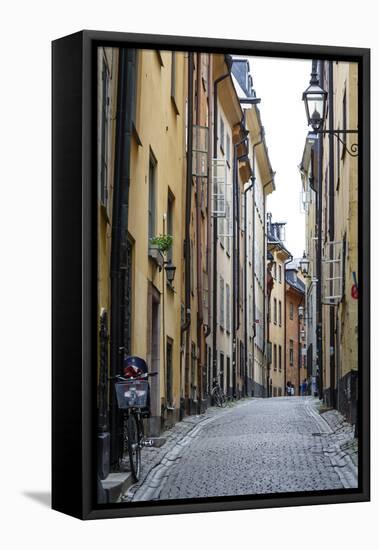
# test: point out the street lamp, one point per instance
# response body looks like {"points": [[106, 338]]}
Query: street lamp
{"points": [[314, 99], [302, 317], [304, 265], [170, 269]]}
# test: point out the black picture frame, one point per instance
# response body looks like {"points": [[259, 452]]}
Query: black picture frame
{"points": [[74, 273]]}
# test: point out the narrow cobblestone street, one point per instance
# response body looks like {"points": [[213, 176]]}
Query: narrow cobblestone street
{"points": [[258, 446]]}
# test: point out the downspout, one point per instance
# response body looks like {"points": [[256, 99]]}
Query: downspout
{"points": [[319, 252], [245, 286], [290, 259], [251, 186], [214, 286], [209, 203], [265, 278], [235, 248], [126, 83], [331, 229], [299, 347], [199, 267], [187, 239]]}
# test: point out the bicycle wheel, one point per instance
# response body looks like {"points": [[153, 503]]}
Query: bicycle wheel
{"points": [[134, 448], [217, 397], [222, 399]]}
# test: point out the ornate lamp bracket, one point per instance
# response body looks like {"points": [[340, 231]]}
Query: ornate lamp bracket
{"points": [[353, 151]]}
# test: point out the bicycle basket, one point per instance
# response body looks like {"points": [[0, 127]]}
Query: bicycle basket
{"points": [[132, 394]]}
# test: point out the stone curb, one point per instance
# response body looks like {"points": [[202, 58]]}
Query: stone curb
{"points": [[341, 461]]}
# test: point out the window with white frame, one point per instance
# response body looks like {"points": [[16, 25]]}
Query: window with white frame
{"points": [[227, 290], [222, 135], [104, 137], [222, 302], [228, 149], [332, 272]]}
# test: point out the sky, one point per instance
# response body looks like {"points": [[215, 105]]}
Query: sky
{"points": [[280, 84]]}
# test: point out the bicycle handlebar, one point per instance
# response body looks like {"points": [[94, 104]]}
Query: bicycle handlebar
{"points": [[123, 379]]}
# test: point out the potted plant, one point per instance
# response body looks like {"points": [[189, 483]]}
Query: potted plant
{"points": [[158, 248]]}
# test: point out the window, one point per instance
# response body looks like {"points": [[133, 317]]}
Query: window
{"points": [[280, 313], [222, 370], [227, 290], [192, 268], [222, 318], [152, 197], [169, 373], [291, 353], [280, 358], [173, 81], [280, 273], [204, 70], [170, 221], [228, 226], [291, 310], [228, 148], [242, 217], [222, 134], [274, 270], [275, 312], [344, 121], [275, 358], [133, 56], [193, 372], [104, 134], [221, 231]]}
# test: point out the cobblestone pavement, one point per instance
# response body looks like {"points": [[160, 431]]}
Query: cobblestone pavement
{"points": [[258, 446]]}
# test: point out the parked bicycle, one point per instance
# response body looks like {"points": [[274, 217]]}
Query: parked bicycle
{"points": [[133, 399], [218, 395]]}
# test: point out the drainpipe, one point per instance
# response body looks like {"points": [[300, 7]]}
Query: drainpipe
{"points": [[251, 186], [126, 83], [236, 252], [200, 318], [319, 252], [229, 61], [245, 284], [187, 240], [299, 346], [285, 321], [209, 201], [209, 235], [265, 277], [331, 231]]}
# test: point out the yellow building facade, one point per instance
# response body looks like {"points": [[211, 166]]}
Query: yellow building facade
{"points": [[279, 257], [340, 241]]}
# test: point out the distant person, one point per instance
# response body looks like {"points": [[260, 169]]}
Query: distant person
{"points": [[288, 390], [292, 389], [304, 387]]}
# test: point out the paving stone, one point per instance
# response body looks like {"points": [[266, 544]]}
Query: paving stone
{"points": [[258, 446]]}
